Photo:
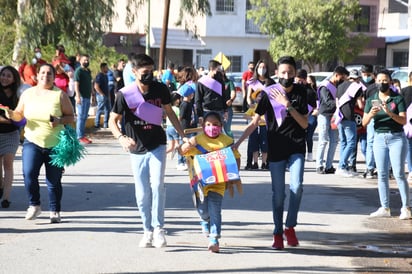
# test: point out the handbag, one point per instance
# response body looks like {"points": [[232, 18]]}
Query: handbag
{"points": [[69, 150]]}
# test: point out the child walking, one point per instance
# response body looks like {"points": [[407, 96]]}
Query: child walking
{"points": [[171, 133], [210, 209]]}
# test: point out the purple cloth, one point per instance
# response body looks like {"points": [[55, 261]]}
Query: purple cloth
{"points": [[20, 123], [346, 97], [211, 83], [329, 86], [149, 113], [255, 84], [407, 128], [278, 109]]}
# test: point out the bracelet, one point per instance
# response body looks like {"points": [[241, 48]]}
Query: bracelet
{"points": [[290, 108]]}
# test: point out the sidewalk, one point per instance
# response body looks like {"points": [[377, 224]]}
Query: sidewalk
{"points": [[101, 227]]}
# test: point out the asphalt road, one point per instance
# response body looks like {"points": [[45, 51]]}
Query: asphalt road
{"points": [[101, 227]]}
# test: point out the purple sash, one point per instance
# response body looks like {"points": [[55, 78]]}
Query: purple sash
{"points": [[149, 113], [329, 86], [278, 109], [255, 84], [310, 108], [407, 128], [211, 83], [346, 97]]}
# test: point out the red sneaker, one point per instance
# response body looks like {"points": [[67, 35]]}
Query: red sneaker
{"points": [[291, 237], [85, 141], [277, 241]]}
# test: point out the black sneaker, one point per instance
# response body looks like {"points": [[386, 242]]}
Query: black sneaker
{"points": [[330, 170], [320, 170], [264, 166], [248, 167], [369, 174], [255, 166], [5, 204]]}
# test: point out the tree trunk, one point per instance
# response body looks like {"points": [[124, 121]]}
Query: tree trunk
{"points": [[164, 35], [19, 40]]}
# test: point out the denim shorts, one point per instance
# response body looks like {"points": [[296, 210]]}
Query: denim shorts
{"points": [[171, 133]]}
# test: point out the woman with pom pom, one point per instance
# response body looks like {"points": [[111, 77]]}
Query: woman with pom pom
{"points": [[47, 109]]}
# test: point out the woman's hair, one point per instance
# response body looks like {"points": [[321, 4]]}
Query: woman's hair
{"points": [[188, 73], [16, 83], [396, 81], [313, 79], [255, 72], [213, 114]]}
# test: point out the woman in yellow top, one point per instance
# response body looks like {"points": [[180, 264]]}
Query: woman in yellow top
{"points": [[46, 109], [210, 210]]}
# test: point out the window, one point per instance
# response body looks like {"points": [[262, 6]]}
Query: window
{"points": [[365, 16], [235, 63], [400, 58], [225, 5]]}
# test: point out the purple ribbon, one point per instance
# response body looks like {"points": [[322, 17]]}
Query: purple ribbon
{"points": [[149, 113], [278, 109], [211, 83], [329, 86], [255, 84], [407, 128], [346, 97]]}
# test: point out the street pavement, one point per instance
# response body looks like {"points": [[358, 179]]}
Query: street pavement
{"points": [[101, 227]]}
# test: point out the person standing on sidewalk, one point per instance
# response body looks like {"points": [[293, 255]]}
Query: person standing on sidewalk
{"points": [[142, 104], [406, 92], [83, 89], [101, 86], [327, 134], [47, 109], [388, 110], [286, 108]]}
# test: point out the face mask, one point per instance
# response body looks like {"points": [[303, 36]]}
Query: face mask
{"points": [[286, 82], [38, 55], [366, 79], [34, 61], [261, 71], [212, 131], [382, 87], [85, 64], [146, 79]]}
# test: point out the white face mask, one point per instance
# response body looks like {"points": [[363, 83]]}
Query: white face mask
{"points": [[261, 71], [38, 55], [34, 61]]}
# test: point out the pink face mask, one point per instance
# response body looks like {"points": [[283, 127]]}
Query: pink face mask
{"points": [[212, 131]]}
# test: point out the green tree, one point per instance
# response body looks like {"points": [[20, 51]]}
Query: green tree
{"points": [[315, 31]]}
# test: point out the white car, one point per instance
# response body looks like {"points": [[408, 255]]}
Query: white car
{"points": [[402, 75], [320, 76]]}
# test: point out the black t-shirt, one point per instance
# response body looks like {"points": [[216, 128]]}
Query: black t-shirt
{"points": [[187, 118], [312, 95], [118, 74], [147, 136], [407, 95], [348, 109], [6, 101], [289, 138]]}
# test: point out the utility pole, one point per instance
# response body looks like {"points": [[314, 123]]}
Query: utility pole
{"points": [[164, 35], [147, 51]]}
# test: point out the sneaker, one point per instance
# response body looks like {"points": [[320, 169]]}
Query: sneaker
{"points": [[85, 141], [320, 170], [147, 239], [205, 228], [181, 167], [159, 239], [254, 166], [277, 242], [309, 157], [264, 166], [5, 204], [213, 246], [343, 172], [33, 212], [330, 170], [381, 212], [248, 167], [291, 237], [369, 174], [405, 213], [55, 217]]}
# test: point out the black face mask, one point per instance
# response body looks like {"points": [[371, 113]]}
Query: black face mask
{"points": [[286, 82], [85, 64], [382, 87], [146, 79], [218, 76]]}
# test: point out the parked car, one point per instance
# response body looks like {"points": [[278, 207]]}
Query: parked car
{"points": [[402, 75], [320, 76], [236, 78]]}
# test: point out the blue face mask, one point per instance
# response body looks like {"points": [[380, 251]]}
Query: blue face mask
{"points": [[367, 79]]}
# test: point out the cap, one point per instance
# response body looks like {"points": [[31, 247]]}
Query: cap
{"points": [[354, 74]]}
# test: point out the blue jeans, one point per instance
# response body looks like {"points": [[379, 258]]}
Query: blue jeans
{"points": [[409, 159], [362, 141], [82, 114], [149, 173], [391, 147], [33, 157], [312, 124], [296, 163], [103, 106], [211, 211], [347, 137], [326, 135], [370, 132], [227, 125]]}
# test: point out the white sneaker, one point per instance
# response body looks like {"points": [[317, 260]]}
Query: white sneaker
{"points": [[309, 157], [343, 172], [381, 212], [147, 239], [33, 212], [55, 217], [159, 239], [181, 167], [405, 213]]}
